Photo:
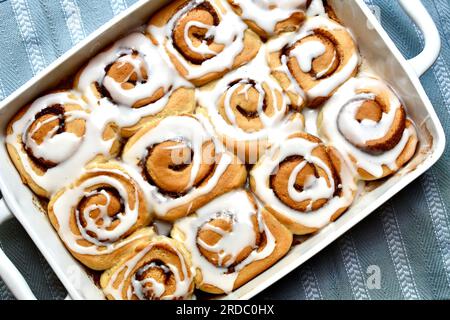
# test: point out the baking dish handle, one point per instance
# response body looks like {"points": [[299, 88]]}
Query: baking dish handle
{"points": [[416, 10], [8, 271]]}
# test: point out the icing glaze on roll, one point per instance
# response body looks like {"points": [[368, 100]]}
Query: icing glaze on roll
{"points": [[313, 62], [98, 215], [249, 110], [269, 17], [203, 38], [181, 163], [366, 121], [133, 76], [55, 137], [158, 270], [303, 184], [225, 237]]}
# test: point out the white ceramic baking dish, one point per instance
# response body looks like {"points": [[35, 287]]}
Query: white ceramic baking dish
{"points": [[375, 45]]}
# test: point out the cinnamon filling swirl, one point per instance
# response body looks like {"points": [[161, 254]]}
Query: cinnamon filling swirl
{"points": [[105, 199], [51, 125], [213, 231], [155, 270], [169, 166], [192, 31]]}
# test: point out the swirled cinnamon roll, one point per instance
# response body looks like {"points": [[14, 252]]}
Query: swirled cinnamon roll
{"points": [[231, 241], [312, 63], [204, 39], [249, 110], [101, 215], [133, 81], [182, 166], [158, 269], [270, 17], [367, 122], [304, 184], [50, 141]]}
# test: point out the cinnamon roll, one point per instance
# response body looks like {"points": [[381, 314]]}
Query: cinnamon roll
{"points": [[312, 63], [158, 269], [133, 81], [367, 122], [270, 17], [50, 141], [204, 39], [231, 241], [249, 110], [101, 215], [304, 184], [182, 166]]}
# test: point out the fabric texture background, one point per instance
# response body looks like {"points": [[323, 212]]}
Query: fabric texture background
{"points": [[408, 240]]}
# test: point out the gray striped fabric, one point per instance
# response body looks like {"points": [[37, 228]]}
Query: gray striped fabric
{"points": [[405, 245]]}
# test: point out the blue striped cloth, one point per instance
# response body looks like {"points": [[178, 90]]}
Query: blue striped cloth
{"points": [[406, 243]]}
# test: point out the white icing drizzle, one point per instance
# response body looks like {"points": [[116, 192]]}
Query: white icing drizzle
{"points": [[190, 130], [277, 126], [160, 76], [70, 153], [237, 207], [229, 32], [106, 239], [55, 147], [136, 287], [310, 116], [307, 52], [268, 13], [315, 189], [316, 8], [343, 131]]}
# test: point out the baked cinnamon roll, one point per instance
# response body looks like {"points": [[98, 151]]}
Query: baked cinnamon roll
{"points": [[100, 216], [182, 166], [312, 63], [270, 17], [304, 184], [158, 269], [249, 110], [367, 122], [49, 141], [133, 81], [204, 39], [231, 241]]}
